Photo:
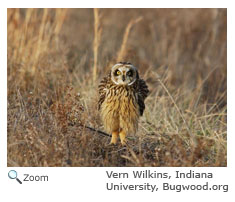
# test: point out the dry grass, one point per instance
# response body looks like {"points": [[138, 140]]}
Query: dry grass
{"points": [[97, 36], [53, 54], [122, 51]]}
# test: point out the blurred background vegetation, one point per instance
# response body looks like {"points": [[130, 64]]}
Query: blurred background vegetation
{"points": [[56, 58]]}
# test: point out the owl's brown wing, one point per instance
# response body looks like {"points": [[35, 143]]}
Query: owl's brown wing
{"points": [[142, 94], [102, 90]]}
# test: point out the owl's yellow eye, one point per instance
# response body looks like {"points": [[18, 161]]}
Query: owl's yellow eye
{"points": [[118, 72]]}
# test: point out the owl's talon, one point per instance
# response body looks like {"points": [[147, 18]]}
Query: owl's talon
{"points": [[122, 135], [112, 144], [114, 138], [123, 143]]}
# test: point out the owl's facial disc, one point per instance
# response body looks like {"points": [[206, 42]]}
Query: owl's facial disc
{"points": [[123, 74]]}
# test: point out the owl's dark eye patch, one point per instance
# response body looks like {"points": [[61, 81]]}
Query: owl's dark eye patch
{"points": [[130, 73], [117, 72]]}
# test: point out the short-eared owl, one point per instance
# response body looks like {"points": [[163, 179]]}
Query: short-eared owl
{"points": [[121, 102]]}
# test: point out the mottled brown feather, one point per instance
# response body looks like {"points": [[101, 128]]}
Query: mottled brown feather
{"points": [[103, 89], [142, 95]]}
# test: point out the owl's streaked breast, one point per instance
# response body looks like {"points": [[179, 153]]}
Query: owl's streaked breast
{"points": [[120, 109]]}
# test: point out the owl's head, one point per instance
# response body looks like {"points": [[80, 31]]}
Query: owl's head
{"points": [[124, 73]]}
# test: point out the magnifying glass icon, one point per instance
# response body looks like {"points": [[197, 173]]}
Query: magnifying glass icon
{"points": [[12, 174]]}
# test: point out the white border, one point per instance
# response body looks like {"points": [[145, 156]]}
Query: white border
{"points": [[87, 184]]}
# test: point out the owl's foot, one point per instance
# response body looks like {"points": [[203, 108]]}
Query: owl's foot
{"points": [[122, 135], [114, 138]]}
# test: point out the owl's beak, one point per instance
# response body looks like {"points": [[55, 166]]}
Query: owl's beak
{"points": [[123, 77]]}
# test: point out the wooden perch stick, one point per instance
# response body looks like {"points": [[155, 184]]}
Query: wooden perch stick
{"points": [[99, 131]]}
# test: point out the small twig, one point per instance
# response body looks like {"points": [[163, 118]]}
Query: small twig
{"points": [[98, 131]]}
